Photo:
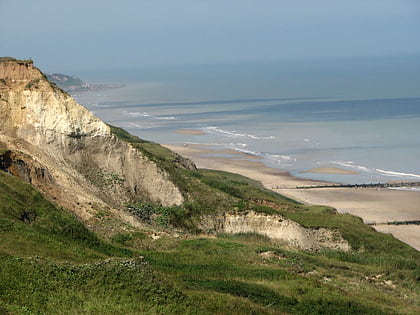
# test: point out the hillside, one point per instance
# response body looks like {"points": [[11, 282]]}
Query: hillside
{"points": [[67, 82], [72, 84], [94, 220]]}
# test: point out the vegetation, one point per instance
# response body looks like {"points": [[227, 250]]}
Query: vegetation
{"points": [[32, 84], [10, 59], [31, 225], [163, 216], [51, 264]]}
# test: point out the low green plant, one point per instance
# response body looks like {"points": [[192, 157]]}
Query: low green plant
{"points": [[50, 263], [32, 225]]}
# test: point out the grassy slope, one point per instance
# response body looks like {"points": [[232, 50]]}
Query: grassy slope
{"points": [[49, 263], [42, 249]]}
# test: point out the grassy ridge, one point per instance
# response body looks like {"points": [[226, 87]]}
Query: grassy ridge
{"points": [[51, 264], [41, 251], [289, 281]]}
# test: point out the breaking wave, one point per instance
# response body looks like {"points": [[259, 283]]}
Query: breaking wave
{"points": [[234, 134], [148, 116], [398, 174], [351, 165]]}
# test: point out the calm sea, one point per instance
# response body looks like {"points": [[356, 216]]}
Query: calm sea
{"points": [[356, 114]]}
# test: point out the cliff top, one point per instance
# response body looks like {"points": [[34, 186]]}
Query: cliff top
{"points": [[11, 59], [20, 70]]}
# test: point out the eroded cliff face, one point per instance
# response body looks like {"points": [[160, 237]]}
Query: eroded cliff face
{"points": [[86, 163], [276, 227]]}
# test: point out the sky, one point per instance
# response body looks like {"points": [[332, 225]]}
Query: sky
{"points": [[96, 34]]}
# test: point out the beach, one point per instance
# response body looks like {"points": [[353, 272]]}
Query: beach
{"points": [[282, 138], [375, 206]]}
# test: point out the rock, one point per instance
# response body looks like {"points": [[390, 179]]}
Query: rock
{"points": [[275, 227], [72, 155]]}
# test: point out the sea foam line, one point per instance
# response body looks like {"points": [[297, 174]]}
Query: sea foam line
{"points": [[227, 133], [138, 114], [350, 164], [144, 114], [142, 126], [393, 173], [268, 156]]}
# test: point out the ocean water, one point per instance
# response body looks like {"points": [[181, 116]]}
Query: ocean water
{"points": [[360, 115]]}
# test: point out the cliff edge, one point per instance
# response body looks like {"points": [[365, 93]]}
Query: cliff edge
{"points": [[65, 151]]}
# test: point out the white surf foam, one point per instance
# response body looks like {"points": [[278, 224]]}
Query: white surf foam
{"points": [[397, 174], [137, 114], [142, 125], [277, 158], [234, 134], [165, 117], [351, 165]]}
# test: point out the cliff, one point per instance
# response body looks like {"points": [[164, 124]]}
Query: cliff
{"points": [[276, 227], [85, 166], [260, 253]]}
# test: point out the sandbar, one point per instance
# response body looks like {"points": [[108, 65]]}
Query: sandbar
{"points": [[374, 206], [193, 132], [331, 170]]}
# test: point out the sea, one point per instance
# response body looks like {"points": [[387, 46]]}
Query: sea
{"points": [[358, 114]]}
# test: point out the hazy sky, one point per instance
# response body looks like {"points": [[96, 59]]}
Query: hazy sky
{"points": [[90, 34]]}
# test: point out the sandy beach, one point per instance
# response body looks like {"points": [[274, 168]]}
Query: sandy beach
{"points": [[193, 132], [330, 170], [373, 205]]}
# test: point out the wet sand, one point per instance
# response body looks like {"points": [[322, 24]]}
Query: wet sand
{"points": [[371, 204], [331, 170], [193, 132]]}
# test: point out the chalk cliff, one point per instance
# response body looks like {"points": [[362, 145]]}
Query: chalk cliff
{"points": [[276, 227], [68, 153]]}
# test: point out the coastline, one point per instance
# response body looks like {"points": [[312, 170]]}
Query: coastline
{"points": [[374, 206]]}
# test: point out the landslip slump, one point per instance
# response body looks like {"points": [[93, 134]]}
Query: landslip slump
{"points": [[77, 148], [276, 227]]}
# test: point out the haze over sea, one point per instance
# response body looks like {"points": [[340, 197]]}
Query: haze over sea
{"points": [[359, 114]]}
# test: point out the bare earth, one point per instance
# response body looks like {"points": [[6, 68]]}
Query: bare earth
{"points": [[372, 205]]}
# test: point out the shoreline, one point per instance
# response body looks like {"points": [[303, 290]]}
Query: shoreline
{"points": [[373, 205], [191, 132], [330, 170]]}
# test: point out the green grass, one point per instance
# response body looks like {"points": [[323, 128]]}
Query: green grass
{"points": [[51, 264], [31, 225], [35, 286], [241, 187], [200, 198], [233, 267]]}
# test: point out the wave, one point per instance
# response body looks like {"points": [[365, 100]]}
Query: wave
{"points": [[164, 117], [144, 114], [137, 114], [393, 173], [234, 134], [241, 145], [351, 165], [278, 156], [142, 125], [279, 159]]}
